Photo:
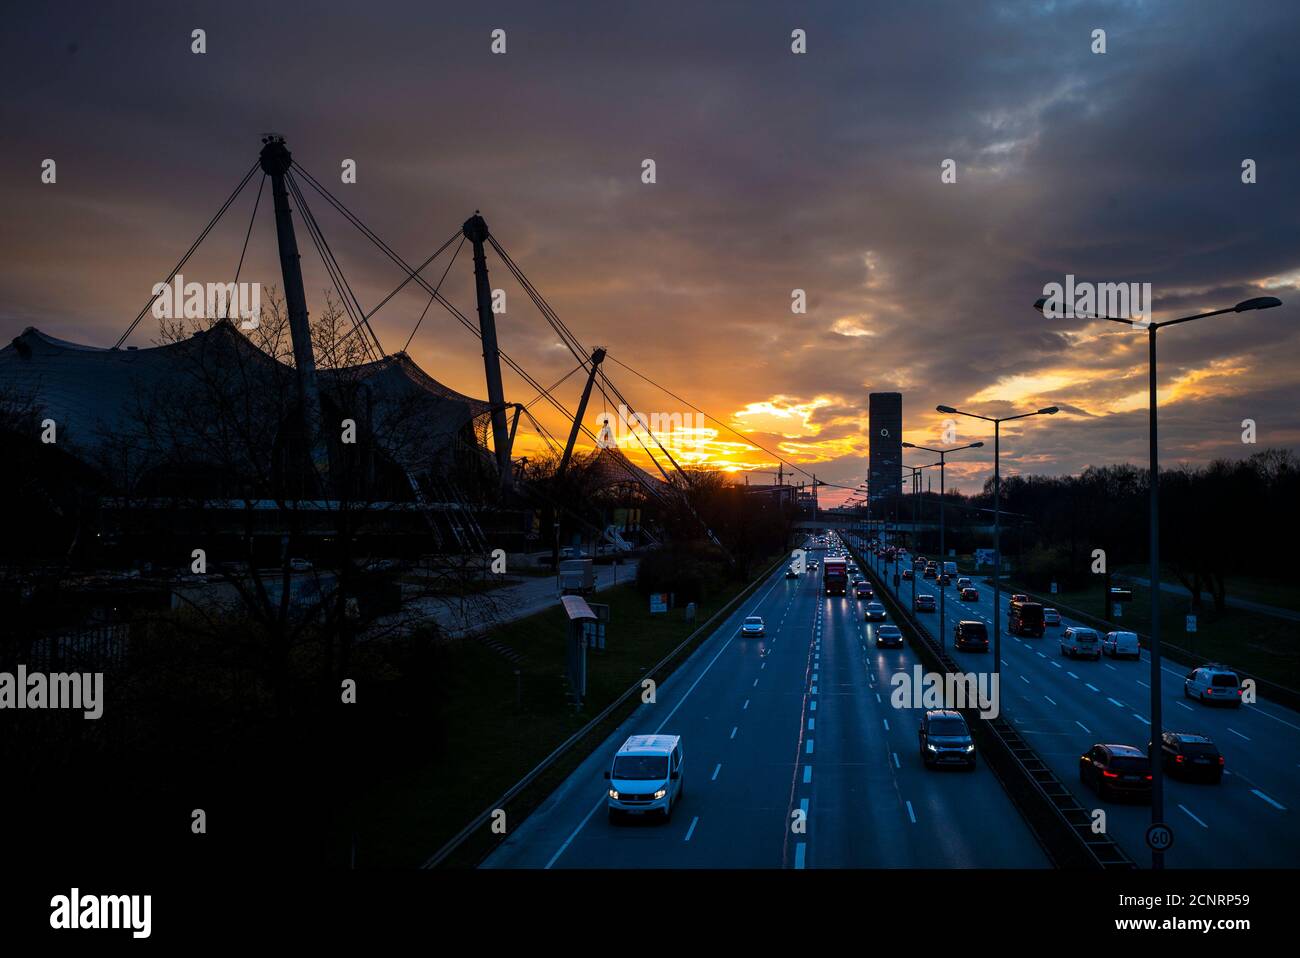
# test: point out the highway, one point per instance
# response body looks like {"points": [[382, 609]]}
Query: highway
{"points": [[796, 721], [1063, 706]]}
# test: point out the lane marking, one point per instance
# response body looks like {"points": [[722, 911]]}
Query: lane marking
{"points": [[1091, 686], [1071, 675], [811, 721], [691, 831], [1025, 680], [800, 853], [911, 814], [809, 749], [1257, 792], [1143, 684], [897, 763], [1082, 726], [1118, 705], [745, 706], [1238, 734], [886, 721], [715, 773], [1049, 698], [812, 706], [807, 774], [1193, 817], [1144, 721], [755, 683], [1185, 705], [734, 729]]}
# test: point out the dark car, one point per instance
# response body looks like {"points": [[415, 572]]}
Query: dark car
{"points": [[970, 636], [791, 574], [945, 739], [929, 573], [970, 594], [907, 573], [1191, 756], [1115, 770], [924, 603]]}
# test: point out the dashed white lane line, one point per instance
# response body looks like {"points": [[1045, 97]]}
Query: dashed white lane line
{"points": [[1259, 794], [800, 854], [811, 723], [745, 706], [809, 749], [734, 730], [1025, 680], [807, 774], [878, 699], [812, 706], [1049, 698], [1071, 675], [897, 763], [911, 814], [755, 683], [1118, 705], [691, 831], [813, 691], [1193, 817], [1143, 684], [1091, 686], [1143, 719], [886, 721], [1238, 734], [1082, 726], [1056, 665], [715, 773]]}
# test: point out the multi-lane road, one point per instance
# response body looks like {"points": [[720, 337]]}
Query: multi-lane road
{"points": [[1063, 706], [795, 758]]}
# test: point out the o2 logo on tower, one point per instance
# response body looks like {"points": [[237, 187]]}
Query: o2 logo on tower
{"points": [[800, 561]]}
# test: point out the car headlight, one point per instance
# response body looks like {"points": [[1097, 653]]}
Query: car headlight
{"points": [[970, 748], [661, 793], [613, 793], [931, 747]]}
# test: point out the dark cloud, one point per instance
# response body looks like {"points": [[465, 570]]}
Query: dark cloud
{"points": [[775, 172]]}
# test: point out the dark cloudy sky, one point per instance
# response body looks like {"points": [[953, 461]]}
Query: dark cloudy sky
{"points": [[775, 171]]}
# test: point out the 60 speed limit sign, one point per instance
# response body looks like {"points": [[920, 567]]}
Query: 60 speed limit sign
{"points": [[1160, 837]]}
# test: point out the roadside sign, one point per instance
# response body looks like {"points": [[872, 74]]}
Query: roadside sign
{"points": [[659, 602], [1191, 623], [1117, 610], [1053, 588], [1160, 837]]}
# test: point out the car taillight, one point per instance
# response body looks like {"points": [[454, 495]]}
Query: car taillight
{"points": [[1239, 691], [1178, 759], [1109, 774], [1148, 778], [1220, 759]]}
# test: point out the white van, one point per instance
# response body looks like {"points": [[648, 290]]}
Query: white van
{"points": [[646, 777], [1121, 645], [950, 568]]}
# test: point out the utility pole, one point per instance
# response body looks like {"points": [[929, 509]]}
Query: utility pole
{"points": [[476, 231]]}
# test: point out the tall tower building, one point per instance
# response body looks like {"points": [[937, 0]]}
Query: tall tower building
{"points": [[885, 465]]}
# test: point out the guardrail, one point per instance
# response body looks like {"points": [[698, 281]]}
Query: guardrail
{"points": [[1062, 826], [546, 764], [1278, 693]]}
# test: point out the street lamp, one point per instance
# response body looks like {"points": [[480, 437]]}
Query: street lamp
{"points": [[997, 516], [943, 553], [1157, 718], [916, 494]]}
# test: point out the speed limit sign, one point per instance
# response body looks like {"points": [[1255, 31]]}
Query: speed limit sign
{"points": [[1160, 837]]}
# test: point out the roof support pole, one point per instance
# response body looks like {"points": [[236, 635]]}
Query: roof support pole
{"points": [[276, 160], [476, 231], [597, 357]]}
